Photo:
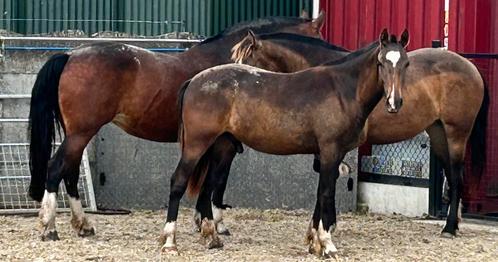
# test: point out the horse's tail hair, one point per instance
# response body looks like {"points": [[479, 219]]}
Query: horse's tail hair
{"points": [[44, 115], [181, 95], [196, 180], [478, 134]]}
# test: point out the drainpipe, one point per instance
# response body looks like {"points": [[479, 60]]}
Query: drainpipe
{"points": [[316, 8]]}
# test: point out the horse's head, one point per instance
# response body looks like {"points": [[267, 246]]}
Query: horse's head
{"points": [[254, 50], [310, 28], [392, 64]]}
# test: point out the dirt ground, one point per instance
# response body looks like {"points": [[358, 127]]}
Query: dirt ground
{"points": [[257, 235]]}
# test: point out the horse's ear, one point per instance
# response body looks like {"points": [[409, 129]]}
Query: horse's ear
{"points": [[404, 39], [252, 37], [318, 22], [243, 49], [304, 14], [384, 37]]}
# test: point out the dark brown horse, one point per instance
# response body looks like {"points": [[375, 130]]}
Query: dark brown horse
{"points": [[96, 84], [318, 110], [444, 89]]}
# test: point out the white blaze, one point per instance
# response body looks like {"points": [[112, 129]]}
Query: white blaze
{"points": [[393, 56], [391, 98]]}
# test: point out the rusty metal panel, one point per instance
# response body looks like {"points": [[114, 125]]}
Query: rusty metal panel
{"points": [[355, 23]]}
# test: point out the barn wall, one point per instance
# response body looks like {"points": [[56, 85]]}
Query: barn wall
{"points": [[355, 23], [202, 17], [473, 28]]}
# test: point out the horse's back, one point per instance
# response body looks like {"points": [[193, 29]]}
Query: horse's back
{"points": [[127, 85], [450, 79]]}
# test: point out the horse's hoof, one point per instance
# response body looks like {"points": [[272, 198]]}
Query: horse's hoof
{"points": [[215, 243], [50, 236], [330, 254], [170, 251], [224, 232], [87, 232], [225, 206], [447, 235]]}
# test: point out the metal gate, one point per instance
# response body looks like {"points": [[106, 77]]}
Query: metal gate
{"points": [[14, 168]]}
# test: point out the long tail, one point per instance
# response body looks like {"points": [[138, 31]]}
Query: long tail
{"points": [[478, 135], [44, 114], [197, 178]]}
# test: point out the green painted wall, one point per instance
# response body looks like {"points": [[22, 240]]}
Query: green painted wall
{"points": [[139, 17]]}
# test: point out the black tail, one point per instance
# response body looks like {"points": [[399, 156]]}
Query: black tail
{"points": [[196, 180], [44, 114], [478, 135], [179, 102]]}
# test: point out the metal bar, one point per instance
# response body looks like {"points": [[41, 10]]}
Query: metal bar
{"points": [[51, 48], [14, 120], [14, 96], [93, 20], [479, 55], [23, 144], [36, 38], [89, 182]]}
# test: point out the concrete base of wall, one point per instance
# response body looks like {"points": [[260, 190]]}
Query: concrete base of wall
{"points": [[386, 199]]}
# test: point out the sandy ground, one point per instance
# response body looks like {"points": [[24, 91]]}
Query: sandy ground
{"points": [[271, 235]]}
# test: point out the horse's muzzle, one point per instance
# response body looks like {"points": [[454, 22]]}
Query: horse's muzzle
{"points": [[394, 108]]}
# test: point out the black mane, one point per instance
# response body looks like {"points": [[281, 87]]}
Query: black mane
{"points": [[302, 39], [353, 55], [261, 24]]}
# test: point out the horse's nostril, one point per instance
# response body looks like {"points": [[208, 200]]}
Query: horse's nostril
{"points": [[400, 101]]}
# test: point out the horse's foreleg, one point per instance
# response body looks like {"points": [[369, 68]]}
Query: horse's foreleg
{"points": [[324, 220], [74, 152]]}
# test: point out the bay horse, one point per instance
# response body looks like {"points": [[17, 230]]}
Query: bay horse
{"points": [[445, 89], [319, 110], [90, 86]]}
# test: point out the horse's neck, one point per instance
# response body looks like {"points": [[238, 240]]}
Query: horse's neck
{"points": [[316, 55], [369, 89], [207, 55]]}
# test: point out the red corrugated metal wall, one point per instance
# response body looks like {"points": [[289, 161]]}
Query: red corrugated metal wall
{"points": [[474, 29], [355, 23]]}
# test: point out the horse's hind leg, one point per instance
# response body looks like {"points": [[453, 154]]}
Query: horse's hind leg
{"points": [[64, 165], [457, 140], [74, 152], [222, 153], [191, 157], [448, 143]]}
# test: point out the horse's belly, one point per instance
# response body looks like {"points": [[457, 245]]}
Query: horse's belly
{"points": [[277, 139]]}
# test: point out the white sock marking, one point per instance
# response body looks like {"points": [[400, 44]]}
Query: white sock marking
{"points": [[326, 238], [76, 208], [48, 209], [169, 231], [217, 214]]}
